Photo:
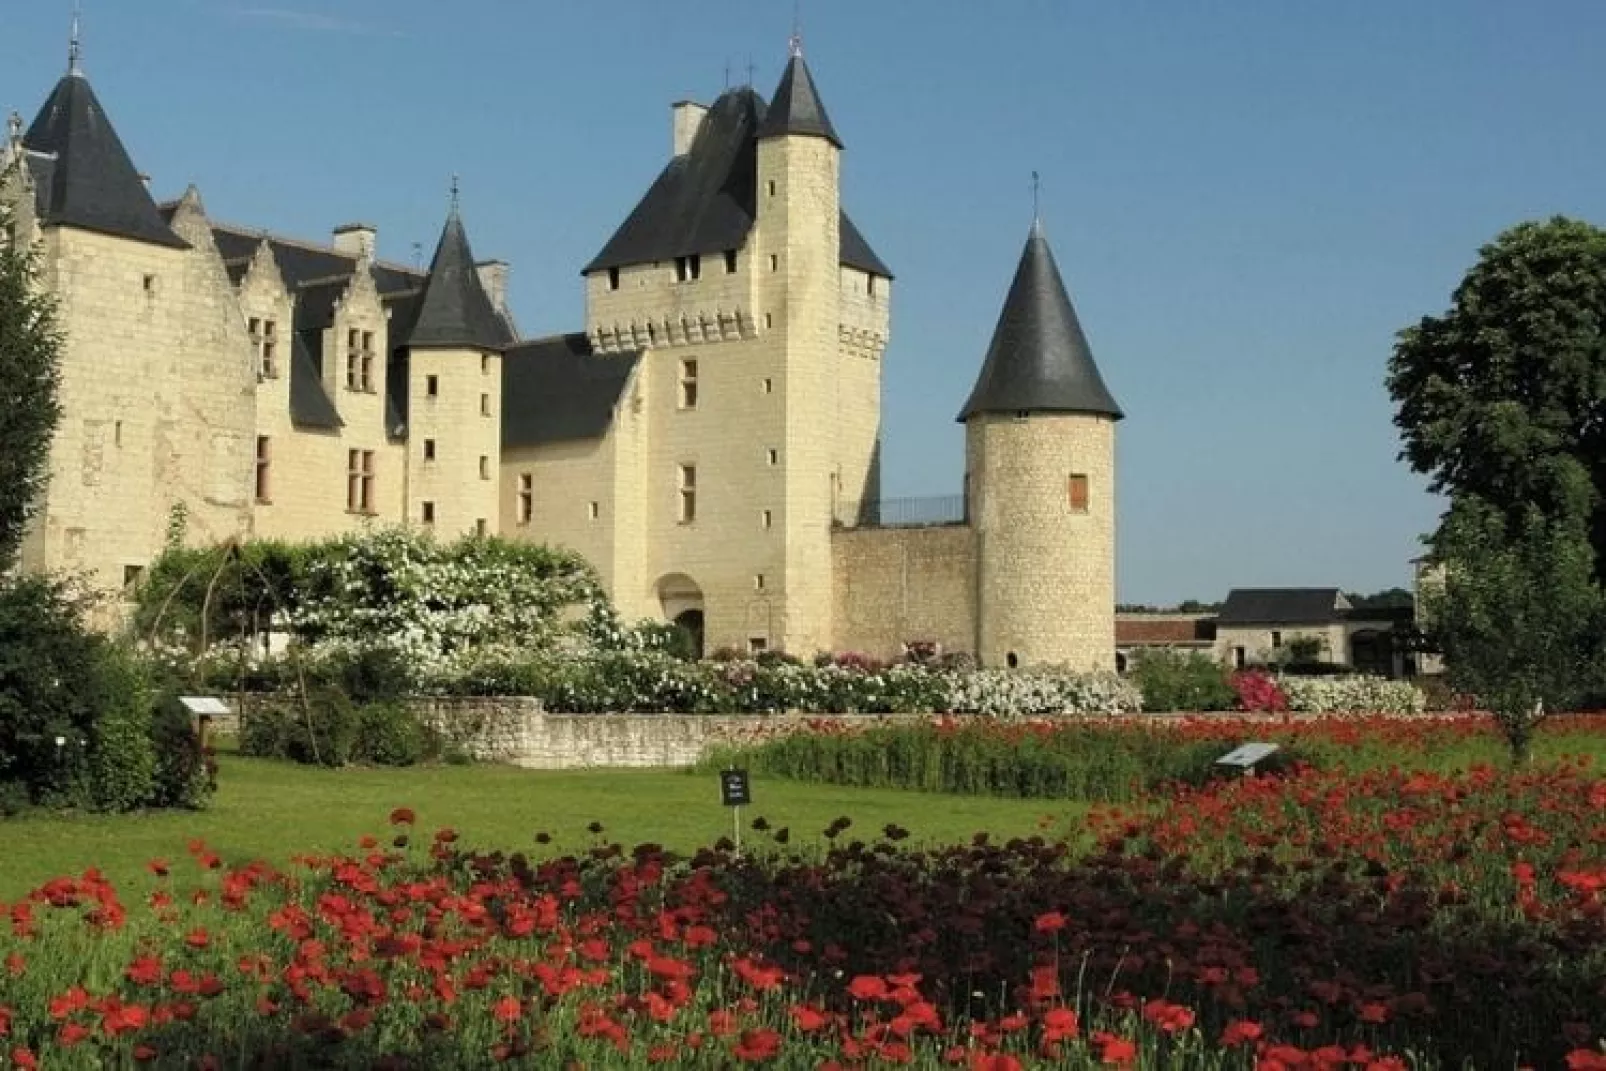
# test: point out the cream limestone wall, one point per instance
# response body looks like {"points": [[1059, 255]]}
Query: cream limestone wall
{"points": [[124, 317], [898, 585], [565, 478], [653, 308], [464, 420], [206, 449], [1258, 648], [798, 226], [635, 484], [865, 304], [1046, 574]]}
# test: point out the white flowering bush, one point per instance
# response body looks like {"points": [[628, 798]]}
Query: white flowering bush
{"points": [[1351, 695], [1009, 694]]}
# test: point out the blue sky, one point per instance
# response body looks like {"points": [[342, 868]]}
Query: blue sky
{"points": [[1247, 200]]}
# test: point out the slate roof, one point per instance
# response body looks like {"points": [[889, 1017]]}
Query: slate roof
{"points": [[1282, 606], [310, 405], [796, 107], [556, 390], [86, 178], [705, 200], [1039, 359], [454, 309]]}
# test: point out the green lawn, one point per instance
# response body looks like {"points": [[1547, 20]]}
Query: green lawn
{"points": [[274, 810]]}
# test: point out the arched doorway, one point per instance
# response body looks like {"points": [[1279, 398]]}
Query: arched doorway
{"points": [[682, 602]]}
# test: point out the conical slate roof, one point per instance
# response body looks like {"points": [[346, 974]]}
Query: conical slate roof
{"points": [[1039, 360], [796, 107], [455, 310], [91, 182]]}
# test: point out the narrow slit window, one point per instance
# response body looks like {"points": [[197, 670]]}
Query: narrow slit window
{"points": [[613, 278], [688, 494], [730, 262], [429, 513], [526, 497], [485, 467], [432, 386], [429, 449], [688, 384], [264, 462]]}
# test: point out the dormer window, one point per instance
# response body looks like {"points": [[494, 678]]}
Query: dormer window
{"points": [[265, 344], [688, 269]]}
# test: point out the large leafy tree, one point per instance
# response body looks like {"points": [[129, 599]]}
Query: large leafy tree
{"points": [[1503, 396], [1502, 402], [29, 348]]}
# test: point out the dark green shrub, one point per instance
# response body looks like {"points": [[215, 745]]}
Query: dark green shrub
{"points": [[1182, 680], [122, 747], [265, 728], [332, 736], [51, 670], [185, 774], [388, 734], [373, 675]]}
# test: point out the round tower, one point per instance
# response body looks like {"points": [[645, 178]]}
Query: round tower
{"points": [[1040, 482]]}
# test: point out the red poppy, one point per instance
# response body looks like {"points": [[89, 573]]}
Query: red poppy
{"points": [[869, 987], [507, 1010], [402, 816], [1241, 1032], [758, 1046], [809, 1019], [1060, 1024], [1049, 922]]}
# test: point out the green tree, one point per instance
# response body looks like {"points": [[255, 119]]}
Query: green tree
{"points": [[29, 348], [1390, 599], [1520, 617], [1503, 397]]}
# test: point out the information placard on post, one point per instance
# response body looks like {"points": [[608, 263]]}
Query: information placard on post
{"points": [[1245, 756], [735, 792]]}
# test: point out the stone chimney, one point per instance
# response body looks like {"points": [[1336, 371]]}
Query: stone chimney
{"points": [[493, 277], [357, 240], [688, 119]]}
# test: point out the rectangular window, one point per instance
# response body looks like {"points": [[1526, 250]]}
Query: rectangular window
{"points": [[353, 359], [1276, 638], [526, 497], [773, 456], [485, 364], [769, 385], [730, 262], [264, 458], [769, 320], [775, 262], [429, 513], [869, 285], [432, 386], [270, 348], [688, 269], [485, 405], [485, 467], [757, 645], [613, 278], [596, 510], [150, 286], [480, 527], [132, 575], [1237, 658], [772, 187], [758, 581], [1078, 493], [688, 493], [366, 378], [429, 449], [688, 384], [766, 519], [360, 481]]}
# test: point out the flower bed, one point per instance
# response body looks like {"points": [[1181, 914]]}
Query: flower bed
{"points": [[1321, 919]]}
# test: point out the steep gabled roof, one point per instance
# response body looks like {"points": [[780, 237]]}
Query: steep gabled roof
{"points": [[455, 309], [556, 390], [796, 108], [705, 200], [310, 405], [1281, 606], [91, 181], [1039, 360]]}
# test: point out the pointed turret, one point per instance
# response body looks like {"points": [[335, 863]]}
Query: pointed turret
{"points": [[1039, 360], [92, 182], [455, 310], [796, 108]]}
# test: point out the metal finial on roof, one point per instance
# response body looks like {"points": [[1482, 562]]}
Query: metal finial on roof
{"points": [[1037, 184], [75, 43], [794, 45], [750, 70], [727, 74], [456, 190]]}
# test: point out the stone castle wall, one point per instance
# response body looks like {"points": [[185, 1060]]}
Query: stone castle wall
{"points": [[1046, 570], [901, 585]]}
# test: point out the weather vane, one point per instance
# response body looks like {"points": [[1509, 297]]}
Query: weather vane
{"points": [[795, 45], [75, 44], [455, 191]]}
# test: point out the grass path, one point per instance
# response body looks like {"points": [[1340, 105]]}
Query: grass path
{"points": [[275, 810]]}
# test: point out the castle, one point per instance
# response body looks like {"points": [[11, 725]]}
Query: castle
{"points": [[709, 440]]}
